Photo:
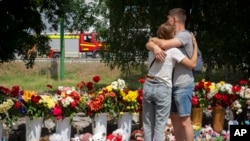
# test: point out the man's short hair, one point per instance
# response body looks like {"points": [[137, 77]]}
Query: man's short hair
{"points": [[179, 13]]}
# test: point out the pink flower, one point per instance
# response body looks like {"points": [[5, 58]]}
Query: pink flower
{"points": [[57, 112]]}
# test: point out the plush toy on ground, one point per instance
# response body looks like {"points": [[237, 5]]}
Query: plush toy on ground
{"points": [[82, 137], [136, 135], [169, 131], [98, 137], [116, 135]]}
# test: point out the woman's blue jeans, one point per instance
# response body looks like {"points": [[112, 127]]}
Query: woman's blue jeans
{"points": [[156, 105]]}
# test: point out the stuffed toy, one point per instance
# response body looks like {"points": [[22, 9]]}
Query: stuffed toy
{"points": [[55, 137], [75, 138], [225, 135], [82, 137], [98, 137], [169, 131], [136, 135], [116, 135], [85, 136]]}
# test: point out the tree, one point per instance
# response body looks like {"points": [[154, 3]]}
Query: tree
{"points": [[223, 31], [131, 25], [22, 25], [221, 26]]}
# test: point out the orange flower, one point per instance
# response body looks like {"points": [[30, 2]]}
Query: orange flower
{"points": [[27, 95]]}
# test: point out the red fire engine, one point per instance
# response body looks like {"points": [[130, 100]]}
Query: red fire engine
{"points": [[75, 45]]}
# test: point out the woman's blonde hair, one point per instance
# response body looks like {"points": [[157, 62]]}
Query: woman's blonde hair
{"points": [[165, 31]]}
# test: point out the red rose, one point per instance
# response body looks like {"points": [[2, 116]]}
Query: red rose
{"points": [[236, 88], [18, 105], [35, 99], [142, 80], [96, 79], [201, 85], [73, 105], [4, 90], [243, 82], [226, 99], [15, 91], [218, 96], [90, 85], [195, 101]]}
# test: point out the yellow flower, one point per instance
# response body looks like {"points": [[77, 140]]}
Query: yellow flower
{"points": [[196, 127], [28, 94], [6, 105], [48, 101], [109, 88]]}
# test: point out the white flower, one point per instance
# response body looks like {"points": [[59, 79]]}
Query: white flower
{"points": [[68, 92], [119, 84], [114, 85], [60, 88], [66, 101]]}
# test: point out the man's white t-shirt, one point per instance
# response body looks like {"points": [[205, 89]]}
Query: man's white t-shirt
{"points": [[162, 70]]}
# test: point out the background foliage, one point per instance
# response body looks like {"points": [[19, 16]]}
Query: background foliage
{"points": [[221, 27]]}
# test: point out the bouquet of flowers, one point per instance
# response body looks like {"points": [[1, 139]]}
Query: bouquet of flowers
{"points": [[34, 105], [103, 101], [7, 102], [99, 100], [201, 92], [127, 99], [242, 91], [224, 96], [66, 101]]}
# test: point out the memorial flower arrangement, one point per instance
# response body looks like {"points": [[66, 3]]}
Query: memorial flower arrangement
{"points": [[103, 101], [99, 100], [66, 101], [6, 102], [202, 90], [224, 96], [34, 105], [242, 91], [128, 100]]}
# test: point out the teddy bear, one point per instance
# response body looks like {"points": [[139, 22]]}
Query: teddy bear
{"points": [[82, 137], [98, 137], [116, 135], [136, 135], [55, 137], [169, 131]]}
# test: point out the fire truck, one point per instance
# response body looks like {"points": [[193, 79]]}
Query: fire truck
{"points": [[75, 45]]}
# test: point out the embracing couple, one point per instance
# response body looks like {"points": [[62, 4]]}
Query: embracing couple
{"points": [[168, 88]]}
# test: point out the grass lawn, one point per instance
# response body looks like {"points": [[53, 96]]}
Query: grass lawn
{"points": [[44, 73]]}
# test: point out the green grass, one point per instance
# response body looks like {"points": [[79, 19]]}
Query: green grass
{"points": [[43, 73]]}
